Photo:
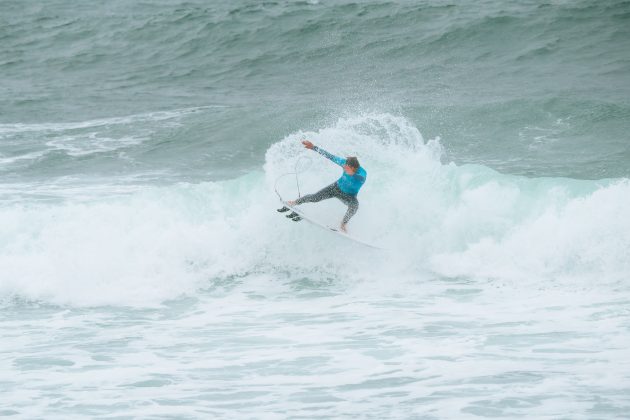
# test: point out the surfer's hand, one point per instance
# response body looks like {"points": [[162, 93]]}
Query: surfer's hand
{"points": [[308, 144]]}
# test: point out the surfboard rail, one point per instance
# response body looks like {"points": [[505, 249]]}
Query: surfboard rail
{"points": [[315, 222]]}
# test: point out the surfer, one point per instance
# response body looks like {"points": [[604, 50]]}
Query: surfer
{"points": [[345, 188]]}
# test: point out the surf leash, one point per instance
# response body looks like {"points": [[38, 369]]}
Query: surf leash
{"points": [[296, 173]]}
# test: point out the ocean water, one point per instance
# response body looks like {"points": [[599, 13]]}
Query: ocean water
{"points": [[144, 271]]}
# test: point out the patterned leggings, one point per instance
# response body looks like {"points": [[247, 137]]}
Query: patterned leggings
{"points": [[333, 191]]}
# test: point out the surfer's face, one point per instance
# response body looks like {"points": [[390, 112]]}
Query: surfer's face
{"points": [[349, 169]]}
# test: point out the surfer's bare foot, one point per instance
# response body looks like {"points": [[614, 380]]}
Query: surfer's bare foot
{"points": [[291, 202], [343, 228]]}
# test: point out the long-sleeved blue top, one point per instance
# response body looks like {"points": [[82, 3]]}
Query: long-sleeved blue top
{"points": [[349, 184]]}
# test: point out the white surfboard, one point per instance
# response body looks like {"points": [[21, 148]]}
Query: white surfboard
{"points": [[315, 222]]}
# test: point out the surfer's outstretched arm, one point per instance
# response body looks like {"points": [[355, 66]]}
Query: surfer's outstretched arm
{"points": [[336, 159]]}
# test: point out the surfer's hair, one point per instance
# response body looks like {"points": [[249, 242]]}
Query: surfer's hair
{"points": [[352, 162]]}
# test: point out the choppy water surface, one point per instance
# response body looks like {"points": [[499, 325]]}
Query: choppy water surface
{"points": [[144, 272]]}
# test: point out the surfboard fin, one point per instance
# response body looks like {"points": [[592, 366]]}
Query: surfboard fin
{"points": [[292, 215], [296, 219], [283, 209]]}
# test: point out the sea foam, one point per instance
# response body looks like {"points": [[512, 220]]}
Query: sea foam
{"points": [[434, 219]]}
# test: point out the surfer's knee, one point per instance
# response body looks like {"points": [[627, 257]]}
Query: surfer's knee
{"points": [[354, 205]]}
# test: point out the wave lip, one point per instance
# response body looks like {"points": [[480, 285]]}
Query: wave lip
{"points": [[582, 240]]}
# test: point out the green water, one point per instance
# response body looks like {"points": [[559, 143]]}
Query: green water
{"points": [[144, 271]]}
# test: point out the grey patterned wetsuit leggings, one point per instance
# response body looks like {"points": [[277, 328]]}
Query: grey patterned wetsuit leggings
{"points": [[333, 191]]}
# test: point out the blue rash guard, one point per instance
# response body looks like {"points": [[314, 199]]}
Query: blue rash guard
{"points": [[348, 184]]}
